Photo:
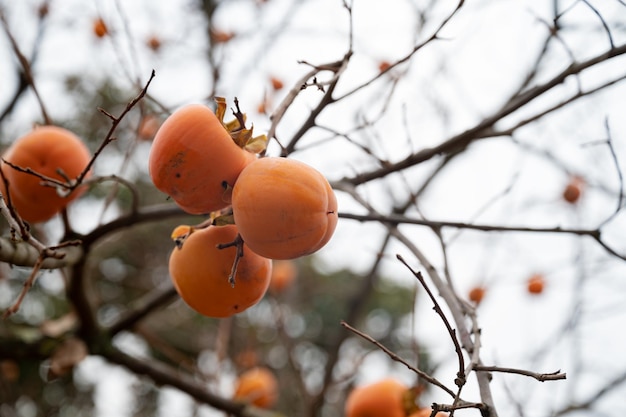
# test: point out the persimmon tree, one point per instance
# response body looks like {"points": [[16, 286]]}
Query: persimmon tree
{"points": [[475, 150]]}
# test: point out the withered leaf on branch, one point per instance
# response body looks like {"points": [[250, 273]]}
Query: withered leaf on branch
{"points": [[69, 354]]}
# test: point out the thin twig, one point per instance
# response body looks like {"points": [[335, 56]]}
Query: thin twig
{"points": [[115, 122], [541, 377], [28, 74], [395, 357], [461, 377]]}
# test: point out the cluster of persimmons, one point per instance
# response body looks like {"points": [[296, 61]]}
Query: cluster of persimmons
{"points": [[259, 208]]}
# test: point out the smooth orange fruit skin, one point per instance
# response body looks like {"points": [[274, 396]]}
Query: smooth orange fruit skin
{"points": [[284, 208], [257, 386], [45, 150], [284, 273], [193, 157], [384, 398], [200, 271]]}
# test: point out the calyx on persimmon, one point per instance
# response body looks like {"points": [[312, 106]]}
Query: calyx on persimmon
{"points": [[283, 208], [201, 271]]}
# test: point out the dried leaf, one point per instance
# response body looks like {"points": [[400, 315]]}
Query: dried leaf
{"points": [[224, 220], [256, 144], [70, 353], [60, 326]]}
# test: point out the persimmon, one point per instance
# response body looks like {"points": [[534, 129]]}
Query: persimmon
{"points": [[284, 273], [100, 28], [257, 386], [50, 151], [220, 36], [148, 126], [195, 161], [154, 43], [477, 294], [536, 284], [384, 66], [573, 190], [277, 83], [284, 208], [385, 398], [200, 271]]}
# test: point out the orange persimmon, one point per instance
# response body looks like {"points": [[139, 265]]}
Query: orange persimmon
{"points": [[536, 284], [257, 386], [477, 294], [195, 161], [573, 190], [284, 273], [385, 398], [200, 271], [148, 126], [284, 208], [53, 152], [100, 28]]}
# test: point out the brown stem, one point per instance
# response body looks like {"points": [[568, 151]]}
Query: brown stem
{"points": [[238, 243]]}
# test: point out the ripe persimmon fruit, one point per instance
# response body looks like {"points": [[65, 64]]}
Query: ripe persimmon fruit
{"points": [[257, 386], [100, 28], [200, 271], [277, 83], [50, 151], [477, 294], [573, 190], [284, 273], [384, 66], [154, 43], [195, 161], [385, 398], [536, 284], [284, 208]]}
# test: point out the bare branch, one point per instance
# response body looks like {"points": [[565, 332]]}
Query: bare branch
{"points": [[392, 355], [541, 377]]}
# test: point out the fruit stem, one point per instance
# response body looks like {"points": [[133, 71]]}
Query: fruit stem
{"points": [[239, 115], [238, 243]]}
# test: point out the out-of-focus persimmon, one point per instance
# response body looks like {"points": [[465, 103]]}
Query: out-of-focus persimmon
{"points": [[284, 273], [221, 36], [100, 28], [148, 126], [195, 161], [384, 66], [200, 271], [573, 190], [536, 284], [154, 43], [50, 151], [284, 208], [385, 398], [277, 83], [257, 386], [477, 294]]}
